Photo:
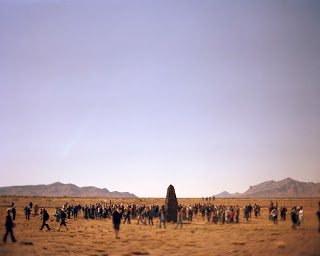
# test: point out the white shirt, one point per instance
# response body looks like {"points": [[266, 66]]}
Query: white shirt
{"points": [[300, 214]]}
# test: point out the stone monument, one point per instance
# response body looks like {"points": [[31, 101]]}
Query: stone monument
{"points": [[171, 205]]}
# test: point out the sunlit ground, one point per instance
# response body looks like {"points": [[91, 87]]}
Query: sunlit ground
{"points": [[258, 236]]}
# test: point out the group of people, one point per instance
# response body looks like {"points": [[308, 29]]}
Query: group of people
{"points": [[296, 214], [142, 213], [297, 217], [149, 212], [212, 213]]}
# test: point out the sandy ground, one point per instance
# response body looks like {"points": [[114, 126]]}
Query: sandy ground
{"points": [[258, 236]]}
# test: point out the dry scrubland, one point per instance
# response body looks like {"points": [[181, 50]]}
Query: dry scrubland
{"points": [[95, 237]]}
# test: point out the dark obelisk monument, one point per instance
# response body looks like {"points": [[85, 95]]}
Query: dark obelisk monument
{"points": [[171, 205]]}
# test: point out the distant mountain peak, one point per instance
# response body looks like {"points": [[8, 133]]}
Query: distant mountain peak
{"points": [[225, 194], [286, 188], [58, 189], [57, 183]]}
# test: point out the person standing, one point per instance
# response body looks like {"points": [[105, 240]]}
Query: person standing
{"points": [[45, 217], [301, 218], [150, 215], [274, 214], [75, 212], [203, 212], [255, 208], [208, 212], [69, 209], [249, 209], [228, 215], [190, 213], [179, 218], [318, 214], [246, 212], [140, 213], [116, 219], [162, 218], [58, 215], [14, 212], [133, 209], [9, 225], [294, 217], [35, 209], [222, 215], [127, 216], [26, 211], [237, 214], [284, 212]]}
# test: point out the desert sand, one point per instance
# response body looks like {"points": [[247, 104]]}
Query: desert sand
{"points": [[258, 236]]}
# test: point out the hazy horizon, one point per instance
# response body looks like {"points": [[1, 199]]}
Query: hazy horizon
{"points": [[136, 95], [163, 196]]}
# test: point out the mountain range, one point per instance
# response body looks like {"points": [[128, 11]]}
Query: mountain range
{"points": [[287, 188], [60, 190], [226, 194]]}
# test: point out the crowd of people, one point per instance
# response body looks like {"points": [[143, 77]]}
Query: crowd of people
{"points": [[296, 214], [120, 213]]}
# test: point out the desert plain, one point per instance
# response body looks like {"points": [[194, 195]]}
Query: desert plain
{"points": [[258, 236]]}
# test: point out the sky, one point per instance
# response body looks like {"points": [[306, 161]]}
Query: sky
{"points": [[135, 95]]}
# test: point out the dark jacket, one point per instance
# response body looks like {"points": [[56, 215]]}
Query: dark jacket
{"points": [[9, 222], [150, 214], [45, 215], [116, 217], [63, 215]]}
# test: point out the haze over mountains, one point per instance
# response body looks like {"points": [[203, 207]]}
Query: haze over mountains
{"points": [[60, 190], [287, 188]]}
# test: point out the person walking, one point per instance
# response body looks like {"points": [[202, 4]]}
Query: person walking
{"points": [[45, 217], [63, 217], [9, 226]]}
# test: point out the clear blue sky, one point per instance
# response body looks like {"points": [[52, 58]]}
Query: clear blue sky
{"points": [[136, 95]]}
